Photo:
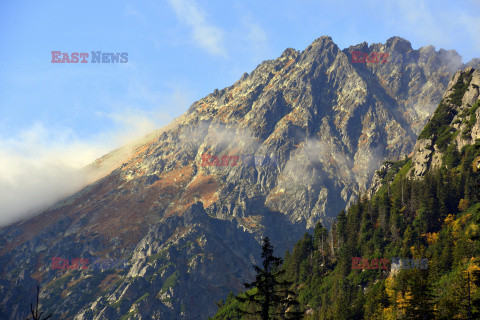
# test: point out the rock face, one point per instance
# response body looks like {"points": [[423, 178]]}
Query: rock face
{"points": [[422, 156], [454, 125], [378, 178], [307, 129]]}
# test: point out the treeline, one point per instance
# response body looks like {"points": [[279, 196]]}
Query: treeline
{"points": [[435, 218]]}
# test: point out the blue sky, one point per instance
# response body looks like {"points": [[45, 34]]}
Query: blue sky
{"points": [[65, 115]]}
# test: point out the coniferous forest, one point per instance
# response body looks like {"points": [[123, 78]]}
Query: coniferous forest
{"points": [[434, 217], [240, 160]]}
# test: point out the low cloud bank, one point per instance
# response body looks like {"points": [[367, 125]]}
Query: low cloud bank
{"points": [[41, 165]]}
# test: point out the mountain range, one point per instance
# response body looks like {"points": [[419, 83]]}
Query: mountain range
{"points": [[189, 229], [410, 249]]}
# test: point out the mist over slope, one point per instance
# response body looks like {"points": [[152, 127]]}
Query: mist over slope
{"points": [[411, 250], [189, 231]]}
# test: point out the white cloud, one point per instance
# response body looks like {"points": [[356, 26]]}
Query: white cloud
{"points": [[42, 165], [206, 35], [257, 38], [38, 167], [131, 124]]}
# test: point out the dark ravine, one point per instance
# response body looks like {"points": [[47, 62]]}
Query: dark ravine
{"points": [[191, 232]]}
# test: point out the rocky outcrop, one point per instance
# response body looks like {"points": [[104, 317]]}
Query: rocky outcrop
{"points": [[190, 229], [183, 256], [422, 156], [475, 133], [455, 124], [378, 179]]}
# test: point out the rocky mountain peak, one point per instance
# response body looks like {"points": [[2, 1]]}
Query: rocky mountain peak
{"points": [[288, 145], [399, 45], [289, 53]]}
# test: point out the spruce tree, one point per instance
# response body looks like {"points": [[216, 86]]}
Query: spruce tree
{"points": [[420, 301], [272, 299]]}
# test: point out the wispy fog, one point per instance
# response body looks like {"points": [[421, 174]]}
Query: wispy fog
{"points": [[42, 165]]}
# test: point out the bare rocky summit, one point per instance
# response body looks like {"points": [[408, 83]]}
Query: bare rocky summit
{"points": [[190, 232]]}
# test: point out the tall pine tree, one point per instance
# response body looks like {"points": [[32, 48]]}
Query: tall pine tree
{"points": [[273, 299], [420, 301]]}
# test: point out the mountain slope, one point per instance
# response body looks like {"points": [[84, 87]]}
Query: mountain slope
{"points": [[186, 228], [424, 213]]}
